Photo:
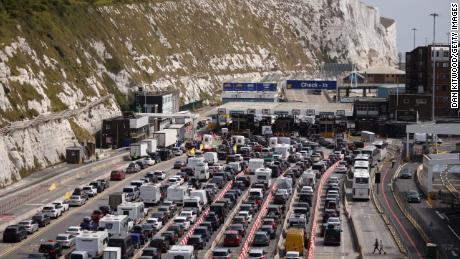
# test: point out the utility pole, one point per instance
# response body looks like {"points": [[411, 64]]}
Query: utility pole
{"points": [[414, 29], [434, 62]]}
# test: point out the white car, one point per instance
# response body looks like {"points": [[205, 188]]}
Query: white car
{"points": [[74, 230], [29, 225], [51, 211], [155, 223], [189, 214], [177, 151], [339, 155], [307, 189], [245, 214], [65, 206], [90, 190], [183, 221], [76, 200], [341, 169], [149, 161], [65, 240], [160, 174]]}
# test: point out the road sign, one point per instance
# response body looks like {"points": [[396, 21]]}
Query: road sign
{"points": [[311, 84]]}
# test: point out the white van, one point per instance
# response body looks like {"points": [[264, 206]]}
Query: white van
{"points": [[181, 251], [273, 141], [150, 193], [134, 210], [115, 224], [93, 242], [201, 171], [200, 194], [210, 158], [176, 193], [264, 175], [235, 165]]}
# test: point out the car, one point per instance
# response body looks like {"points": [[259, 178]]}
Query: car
{"points": [[238, 227], [41, 219], [333, 221], [189, 215], [161, 243], [203, 232], [98, 185], [341, 169], [197, 242], [36, 256], [221, 253], [117, 175], [406, 173], [30, 225], [261, 239], [51, 248], [232, 238], [14, 233], [269, 230], [74, 230], [133, 168], [155, 222], [90, 190], [240, 220], [62, 205], [161, 175], [292, 255], [151, 252], [76, 200], [246, 214], [51, 211], [104, 182], [256, 254], [149, 161], [413, 197], [183, 221], [66, 240], [177, 151], [178, 228]]}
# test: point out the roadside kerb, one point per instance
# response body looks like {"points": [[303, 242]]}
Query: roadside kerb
{"points": [[226, 224], [311, 245], [354, 235]]}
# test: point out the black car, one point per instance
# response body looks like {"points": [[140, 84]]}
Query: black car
{"points": [[203, 231], [161, 243], [179, 164], [14, 233], [133, 168], [197, 242], [51, 249], [152, 252], [269, 230], [41, 219], [125, 243]]}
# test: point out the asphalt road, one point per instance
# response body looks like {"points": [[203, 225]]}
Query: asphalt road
{"points": [[441, 232], [75, 215]]}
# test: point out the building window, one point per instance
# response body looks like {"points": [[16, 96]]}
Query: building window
{"points": [[437, 53], [445, 64], [446, 53], [406, 101], [420, 101]]}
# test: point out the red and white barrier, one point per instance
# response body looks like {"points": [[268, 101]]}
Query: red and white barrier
{"points": [[311, 246], [205, 213]]}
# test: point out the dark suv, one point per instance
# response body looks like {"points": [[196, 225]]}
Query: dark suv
{"points": [[14, 233], [52, 249], [41, 219]]}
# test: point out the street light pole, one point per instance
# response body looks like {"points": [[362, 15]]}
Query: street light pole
{"points": [[414, 29], [434, 64]]}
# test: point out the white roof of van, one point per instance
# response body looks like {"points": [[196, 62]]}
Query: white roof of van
{"points": [[179, 248], [360, 173]]}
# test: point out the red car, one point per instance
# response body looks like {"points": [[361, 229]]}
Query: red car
{"points": [[270, 221], [232, 238], [117, 175]]}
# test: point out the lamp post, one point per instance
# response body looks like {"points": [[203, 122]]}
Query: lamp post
{"points": [[434, 64], [414, 29]]}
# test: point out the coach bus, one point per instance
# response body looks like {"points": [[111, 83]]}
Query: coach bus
{"points": [[361, 184], [374, 154]]}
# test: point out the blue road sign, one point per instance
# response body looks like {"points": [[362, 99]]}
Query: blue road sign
{"points": [[311, 84]]}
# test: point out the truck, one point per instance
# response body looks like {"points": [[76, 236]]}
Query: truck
{"points": [[253, 164], [151, 145], [285, 183], [263, 175], [93, 242], [367, 136], [150, 193], [134, 211], [176, 193], [166, 137], [116, 199], [200, 194], [138, 150], [112, 253], [181, 251], [210, 158], [267, 130], [115, 224]]}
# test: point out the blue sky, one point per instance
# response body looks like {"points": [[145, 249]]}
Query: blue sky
{"points": [[415, 14]]}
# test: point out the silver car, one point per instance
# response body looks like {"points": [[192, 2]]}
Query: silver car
{"points": [[29, 225], [76, 200], [66, 240]]}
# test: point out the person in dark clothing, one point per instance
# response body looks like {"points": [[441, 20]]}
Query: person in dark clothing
{"points": [[376, 246]]}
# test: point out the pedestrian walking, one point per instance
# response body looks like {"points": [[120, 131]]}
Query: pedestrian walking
{"points": [[376, 245], [381, 248]]}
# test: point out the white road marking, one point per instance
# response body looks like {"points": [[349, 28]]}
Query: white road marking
{"points": [[454, 253], [456, 235], [439, 214]]}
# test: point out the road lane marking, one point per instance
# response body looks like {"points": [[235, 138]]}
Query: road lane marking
{"points": [[439, 214], [454, 253], [453, 231]]}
